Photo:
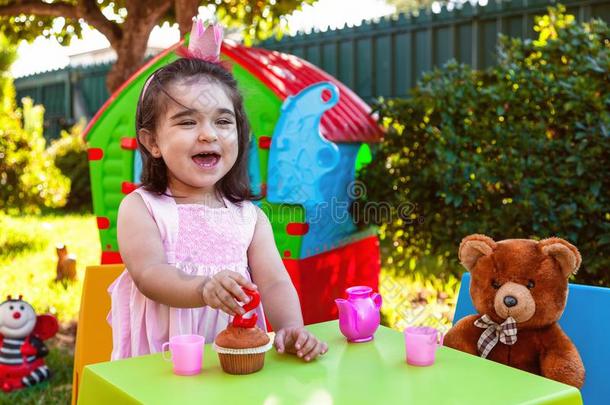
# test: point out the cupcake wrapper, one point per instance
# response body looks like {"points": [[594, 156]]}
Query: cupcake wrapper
{"points": [[241, 363]]}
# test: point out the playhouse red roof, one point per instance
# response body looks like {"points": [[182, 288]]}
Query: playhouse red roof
{"points": [[348, 121], [286, 75]]}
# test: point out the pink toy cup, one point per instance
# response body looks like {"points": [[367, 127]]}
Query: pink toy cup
{"points": [[421, 343], [186, 353]]}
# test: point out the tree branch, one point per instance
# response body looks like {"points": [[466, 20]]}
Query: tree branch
{"points": [[90, 12], [151, 10], [39, 8]]}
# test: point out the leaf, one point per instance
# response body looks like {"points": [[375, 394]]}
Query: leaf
{"points": [[595, 187], [604, 240]]}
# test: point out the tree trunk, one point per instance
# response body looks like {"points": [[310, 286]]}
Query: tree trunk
{"points": [[130, 56], [131, 48], [185, 11]]}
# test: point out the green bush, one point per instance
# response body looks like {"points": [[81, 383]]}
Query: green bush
{"points": [[520, 150], [28, 178], [7, 57], [70, 155]]}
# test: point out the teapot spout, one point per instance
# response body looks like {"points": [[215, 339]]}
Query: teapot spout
{"points": [[347, 315]]}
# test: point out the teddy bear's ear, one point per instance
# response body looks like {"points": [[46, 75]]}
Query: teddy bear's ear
{"points": [[566, 254], [473, 247]]}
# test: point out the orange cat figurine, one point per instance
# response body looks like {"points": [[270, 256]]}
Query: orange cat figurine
{"points": [[66, 264]]}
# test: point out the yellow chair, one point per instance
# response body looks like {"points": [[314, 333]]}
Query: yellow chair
{"points": [[93, 334]]}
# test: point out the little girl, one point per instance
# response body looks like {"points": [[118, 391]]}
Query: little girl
{"points": [[189, 236]]}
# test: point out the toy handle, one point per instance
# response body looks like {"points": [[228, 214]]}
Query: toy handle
{"points": [[377, 300], [164, 351], [440, 334], [255, 299]]}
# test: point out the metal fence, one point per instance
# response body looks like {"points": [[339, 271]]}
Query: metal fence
{"points": [[382, 58], [385, 58], [67, 95]]}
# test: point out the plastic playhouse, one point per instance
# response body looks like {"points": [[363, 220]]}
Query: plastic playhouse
{"points": [[310, 135]]}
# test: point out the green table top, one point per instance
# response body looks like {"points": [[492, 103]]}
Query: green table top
{"points": [[350, 373]]}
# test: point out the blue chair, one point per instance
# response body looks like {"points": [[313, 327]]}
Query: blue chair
{"points": [[586, 320]]}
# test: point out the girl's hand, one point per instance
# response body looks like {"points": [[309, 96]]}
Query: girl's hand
{"points": [[299, 341], [224, 289]]}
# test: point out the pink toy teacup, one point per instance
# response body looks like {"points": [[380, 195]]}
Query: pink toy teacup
{"points": [[186, 353], [421, 343]]}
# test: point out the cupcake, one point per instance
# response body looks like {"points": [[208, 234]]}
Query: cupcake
{"points": [[242, 350]]}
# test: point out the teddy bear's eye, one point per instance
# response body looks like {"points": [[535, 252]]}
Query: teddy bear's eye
{"points": [[495, 284], [22, 307], [11, 307], [531, 284]]}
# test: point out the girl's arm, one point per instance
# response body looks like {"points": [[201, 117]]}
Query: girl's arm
{"points": [[278, 294], [143, 254]]}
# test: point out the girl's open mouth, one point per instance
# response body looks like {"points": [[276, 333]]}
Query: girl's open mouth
{"points": [[206, 159]]}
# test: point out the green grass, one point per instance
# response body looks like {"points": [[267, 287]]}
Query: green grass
{"points": [[30, 269], [28, 261]]}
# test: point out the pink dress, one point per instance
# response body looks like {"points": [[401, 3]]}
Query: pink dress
{"points": [[199, 241]]}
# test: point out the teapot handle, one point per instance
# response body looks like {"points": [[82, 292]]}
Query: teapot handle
{"points": [[377, 300]]}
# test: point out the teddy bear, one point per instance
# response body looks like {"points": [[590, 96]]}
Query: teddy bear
{"points": [[519, 288], [21, 344]]}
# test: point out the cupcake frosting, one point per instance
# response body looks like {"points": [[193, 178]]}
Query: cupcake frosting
{"points": [[241, 338]]}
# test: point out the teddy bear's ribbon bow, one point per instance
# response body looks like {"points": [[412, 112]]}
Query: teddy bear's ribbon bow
{"points": [[505, 333]]}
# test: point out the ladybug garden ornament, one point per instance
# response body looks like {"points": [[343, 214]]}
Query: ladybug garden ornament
{"points": [[21, 344]]}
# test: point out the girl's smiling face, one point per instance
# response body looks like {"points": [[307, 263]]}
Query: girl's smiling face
{"points": [[197, 138]]}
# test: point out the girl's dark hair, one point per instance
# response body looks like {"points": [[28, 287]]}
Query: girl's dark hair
{"points": [[235, 185]]}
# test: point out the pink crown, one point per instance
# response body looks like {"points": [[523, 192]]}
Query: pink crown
{"points": [[204, 42]]}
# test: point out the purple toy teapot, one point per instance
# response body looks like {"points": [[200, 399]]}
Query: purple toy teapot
{"points": [[359, 313]]}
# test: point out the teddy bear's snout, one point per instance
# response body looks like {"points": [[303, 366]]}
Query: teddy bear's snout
{"points": [[516, 301], [510, 301]]}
